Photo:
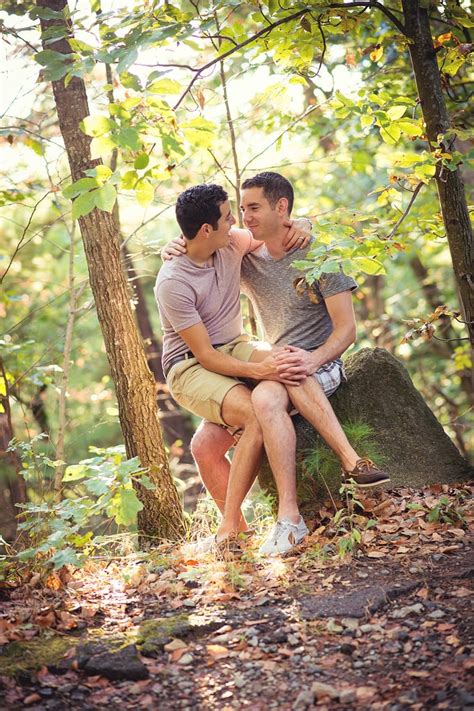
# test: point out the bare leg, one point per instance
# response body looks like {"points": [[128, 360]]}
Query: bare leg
{"points": [[314, 406], [237, 411], [270, 402], [209, 447]]}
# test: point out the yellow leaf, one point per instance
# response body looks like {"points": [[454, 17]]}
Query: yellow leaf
{"points": [[200, 97], [376, 53], [441, 39]]}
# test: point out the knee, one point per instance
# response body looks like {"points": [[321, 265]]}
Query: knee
{"points": [[269, 397], [209, 443]]}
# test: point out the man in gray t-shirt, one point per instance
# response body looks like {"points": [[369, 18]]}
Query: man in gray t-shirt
{"points": [[315, 325]]}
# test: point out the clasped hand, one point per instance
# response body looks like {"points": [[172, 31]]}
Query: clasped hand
{"points": [[289, 365]]}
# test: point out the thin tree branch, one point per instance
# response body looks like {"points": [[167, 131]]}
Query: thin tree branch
{"points": [[408, 208], [246, 42], [293, 123], [368, 5], [18, 247]]}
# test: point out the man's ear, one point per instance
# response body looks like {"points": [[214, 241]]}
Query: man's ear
{"points": [[282, 206], [205, 231]]}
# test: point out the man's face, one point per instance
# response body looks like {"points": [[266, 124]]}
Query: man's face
{"points": [[221, 235], [259, 216]]}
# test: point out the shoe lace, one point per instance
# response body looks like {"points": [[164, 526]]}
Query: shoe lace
{"points": [[364, 462]]}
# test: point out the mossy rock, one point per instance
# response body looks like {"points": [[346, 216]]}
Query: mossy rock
{"points": [[26, 656], [155, 633], [405, 435]]}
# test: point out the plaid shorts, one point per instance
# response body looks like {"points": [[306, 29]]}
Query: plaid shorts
{"points": [[330, 376]]}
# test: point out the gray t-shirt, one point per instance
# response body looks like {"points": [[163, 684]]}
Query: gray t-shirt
{"points": [[286, 314], [188, 294]]}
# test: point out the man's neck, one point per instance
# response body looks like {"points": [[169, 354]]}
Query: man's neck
{"points": [[274, 243], [199, 253]]}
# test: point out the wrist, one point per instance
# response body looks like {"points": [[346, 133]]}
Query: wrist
{"points": [[316, 361]]}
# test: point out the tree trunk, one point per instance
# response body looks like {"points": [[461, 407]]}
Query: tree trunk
{"points": [[12, 484], [134, 384], [445, 347], [175, 421], [450, 185]]}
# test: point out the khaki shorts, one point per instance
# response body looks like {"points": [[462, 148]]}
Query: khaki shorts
{"points": [[201, 391]]}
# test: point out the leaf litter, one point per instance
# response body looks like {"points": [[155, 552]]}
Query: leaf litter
{"points": [[241, 634]]}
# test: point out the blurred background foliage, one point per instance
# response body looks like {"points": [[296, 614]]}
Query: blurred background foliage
{"points": [[314, 99]]}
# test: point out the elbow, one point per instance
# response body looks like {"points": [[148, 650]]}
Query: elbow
{"points": [[352, 335], [205, 359]]}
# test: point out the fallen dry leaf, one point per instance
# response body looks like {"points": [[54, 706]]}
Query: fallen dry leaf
{"points": [[175, 644], [216, 651], [176, 655]]}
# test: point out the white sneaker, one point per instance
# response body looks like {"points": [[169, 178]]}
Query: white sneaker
{"points": [[199, 547], [284, 536]]}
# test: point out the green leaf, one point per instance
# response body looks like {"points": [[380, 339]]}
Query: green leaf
{"points": [[128, 138], [369, 266], [105, 197], [129, 180], [165, 86], [80, 186], [199, 132], [366, 120], [102, 146], [103, 172], [75, 472], [47, 57], [424, 171], [127, 58], [146, 482], [128, 506], [36, 146], [67, 556], [411, 128], [391, 134], [97, 125], [144, 192], [83, 204], [141, 161], [455, 58], [396, 112]]}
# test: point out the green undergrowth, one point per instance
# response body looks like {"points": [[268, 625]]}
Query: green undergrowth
{"points": [[320, 469]]}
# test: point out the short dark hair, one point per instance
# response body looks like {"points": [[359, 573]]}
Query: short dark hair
{"points": [[197, 206], [274, 185]]}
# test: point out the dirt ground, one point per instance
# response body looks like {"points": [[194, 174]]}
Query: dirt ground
{"points": [[386, 626]]}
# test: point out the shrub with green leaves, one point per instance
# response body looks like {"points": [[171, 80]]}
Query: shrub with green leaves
{"points": [[98, 490]]}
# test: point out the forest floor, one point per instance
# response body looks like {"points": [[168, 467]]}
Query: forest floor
{"points": [[385, 626]]}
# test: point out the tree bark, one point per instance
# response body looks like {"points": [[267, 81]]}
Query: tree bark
{"points": [[161, 516], [12, 484], [450, 184]]}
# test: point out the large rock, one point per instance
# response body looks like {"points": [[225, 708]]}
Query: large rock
{"points": [[406, 437]]}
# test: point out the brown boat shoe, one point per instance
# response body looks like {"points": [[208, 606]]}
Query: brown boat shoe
{"points": [[366, 474]]}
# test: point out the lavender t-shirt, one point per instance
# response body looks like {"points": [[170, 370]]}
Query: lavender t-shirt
{"points": [[188, 294]]}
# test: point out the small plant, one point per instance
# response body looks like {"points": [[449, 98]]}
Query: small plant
{"points": [[443, 511], [98, 490], [349, 524]]}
